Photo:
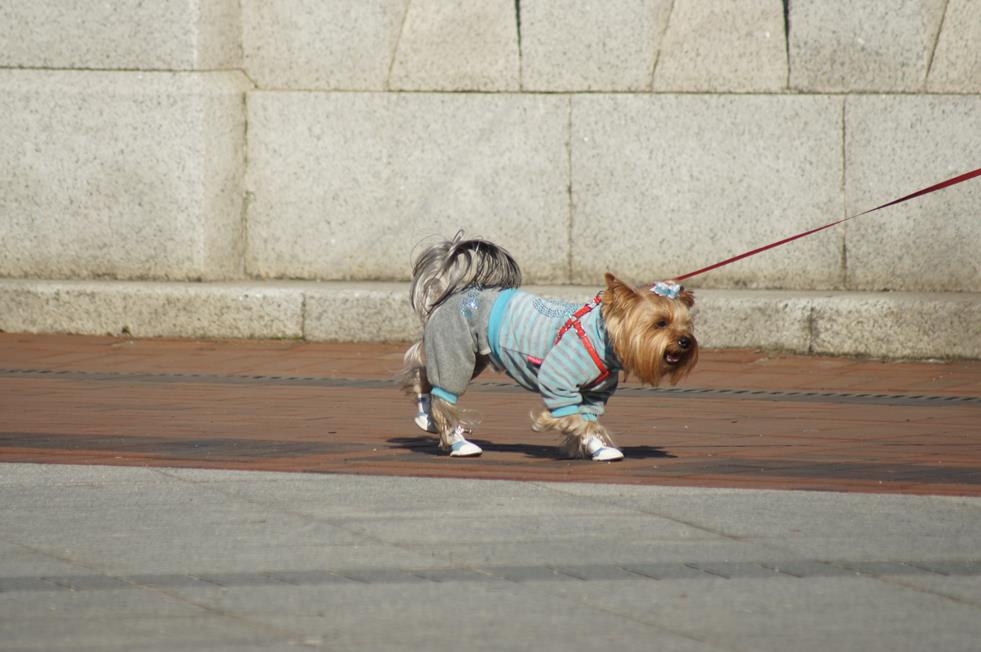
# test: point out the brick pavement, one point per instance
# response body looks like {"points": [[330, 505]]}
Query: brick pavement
{"points": [[742, 419]]}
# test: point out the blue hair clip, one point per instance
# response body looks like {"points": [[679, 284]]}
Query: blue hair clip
{"points": [[669, 290]]}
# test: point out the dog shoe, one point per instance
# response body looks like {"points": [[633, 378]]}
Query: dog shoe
{"points": [[424, 416], [460, 447], [425, 422], [602, 453]]}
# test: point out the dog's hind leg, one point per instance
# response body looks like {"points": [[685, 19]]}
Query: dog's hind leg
{"points": [[416, 385], [453, 424], [435, 414], [580, 437], [452, 360]]}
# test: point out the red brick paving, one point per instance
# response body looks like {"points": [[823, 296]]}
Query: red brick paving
{"points": [[134, 402]]}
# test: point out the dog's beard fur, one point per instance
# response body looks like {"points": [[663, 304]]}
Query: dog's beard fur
{"points": [[652, 335]]}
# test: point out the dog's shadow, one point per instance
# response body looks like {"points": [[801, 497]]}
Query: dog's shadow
{"points": [[429, 446]]}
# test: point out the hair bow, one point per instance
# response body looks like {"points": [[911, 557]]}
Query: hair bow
{"points": [[669, 290]]}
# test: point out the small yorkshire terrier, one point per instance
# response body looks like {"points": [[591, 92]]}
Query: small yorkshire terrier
{"points": [[466, 294]]}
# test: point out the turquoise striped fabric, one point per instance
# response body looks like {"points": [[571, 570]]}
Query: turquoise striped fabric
{"points": [[522, 331]]}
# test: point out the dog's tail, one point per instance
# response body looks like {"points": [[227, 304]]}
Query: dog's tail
{"points": [[450, 266]]}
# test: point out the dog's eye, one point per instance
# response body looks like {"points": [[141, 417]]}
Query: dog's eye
{"points": [[662, 324]]}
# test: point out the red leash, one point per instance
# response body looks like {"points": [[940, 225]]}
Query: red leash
{"points": [[918, 193]]}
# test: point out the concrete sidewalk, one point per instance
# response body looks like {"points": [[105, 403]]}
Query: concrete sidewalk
{"points": [[104, 558]]}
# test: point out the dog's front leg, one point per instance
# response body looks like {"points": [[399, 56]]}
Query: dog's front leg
{"points": [[452, 425], [581, 437]]}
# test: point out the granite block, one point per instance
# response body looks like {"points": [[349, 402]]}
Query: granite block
{"points": [[666, 184], [591, 46], [898, 325], [895, 145], [359, 312], [347, 186], [150, 309], [841, 46], [726, 45], [956, 64], [454, 46], [124, 34], [337, 44], [121, 175], [771, 320]]}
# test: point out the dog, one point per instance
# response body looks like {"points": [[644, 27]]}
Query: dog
{"points": [[466, 294]]}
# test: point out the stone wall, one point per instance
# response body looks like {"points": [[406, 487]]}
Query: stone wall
{"points": [[322, 140]]}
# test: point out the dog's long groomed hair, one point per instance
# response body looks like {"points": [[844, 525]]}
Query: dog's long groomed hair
{"points": [[438, 273], [652, 335]]}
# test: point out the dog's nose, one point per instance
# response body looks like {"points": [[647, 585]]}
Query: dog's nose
{"points": [[684, 342]]}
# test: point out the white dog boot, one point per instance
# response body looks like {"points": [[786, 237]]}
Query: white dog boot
{"points": [[600, 452], [460, 447], [424, 413]]}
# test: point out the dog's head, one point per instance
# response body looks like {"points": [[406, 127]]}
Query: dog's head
{"points": [[652, 334]]}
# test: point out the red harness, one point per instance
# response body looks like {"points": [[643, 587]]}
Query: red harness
{"points": [[574, 324]]}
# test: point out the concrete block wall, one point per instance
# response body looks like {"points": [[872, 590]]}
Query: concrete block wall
{"points": [[221, 148]]}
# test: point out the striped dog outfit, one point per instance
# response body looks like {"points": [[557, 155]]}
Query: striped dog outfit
{"points": [[557, 349]]}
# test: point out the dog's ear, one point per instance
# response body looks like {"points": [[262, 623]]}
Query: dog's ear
{"points": [[618, 290], [620, 297], [687, 297]]}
